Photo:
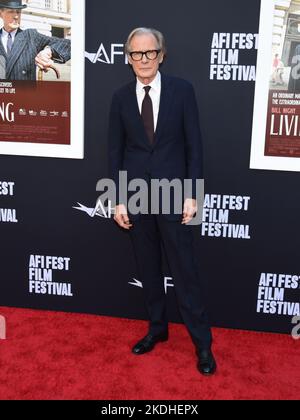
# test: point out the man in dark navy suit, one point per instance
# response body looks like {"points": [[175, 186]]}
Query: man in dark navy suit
{"points": [[21, 51], [154, 133]]}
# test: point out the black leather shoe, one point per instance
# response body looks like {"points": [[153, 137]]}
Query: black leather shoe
{"points": [[206, 363], [148, 343]]}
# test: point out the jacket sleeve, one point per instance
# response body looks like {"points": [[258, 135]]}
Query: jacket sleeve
{"points": [[116, 145], [193, 140], [61, 48]]}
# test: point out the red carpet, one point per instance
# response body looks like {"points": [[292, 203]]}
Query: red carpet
{"points": [[49, 355]]}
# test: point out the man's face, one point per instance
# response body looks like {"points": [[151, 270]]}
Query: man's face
{"points": [[145, 69], [11, 19]]}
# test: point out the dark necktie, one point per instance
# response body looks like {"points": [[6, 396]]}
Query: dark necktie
{"points": [[147, 115], [9, 43]]}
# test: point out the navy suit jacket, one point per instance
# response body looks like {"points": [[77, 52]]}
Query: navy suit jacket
{"points": [[20, 63], [177, 149]]}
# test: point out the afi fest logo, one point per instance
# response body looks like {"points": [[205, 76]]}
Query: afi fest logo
{"points": [[2, 328], [98, 211], [296, 329], [168, 283], [107, 55]]}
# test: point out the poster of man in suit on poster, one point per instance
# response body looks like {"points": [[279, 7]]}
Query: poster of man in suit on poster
{"points": [[276, 120], [42, 78]]}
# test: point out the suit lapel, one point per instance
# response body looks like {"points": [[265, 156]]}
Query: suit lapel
{"points": [[2, 49], [134, 107], [17, 48], [165, 103]]}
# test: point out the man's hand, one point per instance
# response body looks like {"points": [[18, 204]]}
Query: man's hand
{"points": [[121, 217], [44, 59], [190, 208]]}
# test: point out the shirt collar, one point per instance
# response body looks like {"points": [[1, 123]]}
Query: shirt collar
{"points": [[155, 84], [13, 33]]}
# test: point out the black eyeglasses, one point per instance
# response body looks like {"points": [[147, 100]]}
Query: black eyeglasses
{"points": [[138, 55]]}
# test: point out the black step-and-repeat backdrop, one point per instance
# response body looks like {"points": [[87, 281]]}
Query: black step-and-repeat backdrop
{"points": [[60, 251]]}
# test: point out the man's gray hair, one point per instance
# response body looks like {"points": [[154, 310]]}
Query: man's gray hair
{"points": [[142, 31]]}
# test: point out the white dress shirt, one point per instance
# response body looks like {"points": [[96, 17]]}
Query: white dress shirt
{"points": [[154, 93], [4, 37]]}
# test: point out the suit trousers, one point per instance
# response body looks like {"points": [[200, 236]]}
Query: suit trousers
{"points": [[149, 234]]}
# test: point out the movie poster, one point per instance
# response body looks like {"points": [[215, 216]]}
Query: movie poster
{"points": [[276, 120], [42, 78]]}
